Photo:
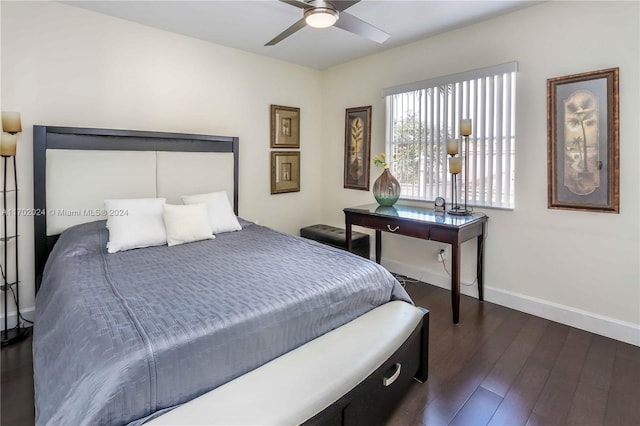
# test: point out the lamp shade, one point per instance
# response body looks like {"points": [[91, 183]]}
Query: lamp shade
{"points": [[465, 127], [8, 144], [11, 122], [452, 146], [321, 17], [455, 165]]}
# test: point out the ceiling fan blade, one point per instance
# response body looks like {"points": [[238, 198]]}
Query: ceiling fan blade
{"points": [[341, 5], [357, 26], [296, 3], [286, 33]]}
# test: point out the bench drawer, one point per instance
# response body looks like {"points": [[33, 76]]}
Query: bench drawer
{"points": [[381, 392]]}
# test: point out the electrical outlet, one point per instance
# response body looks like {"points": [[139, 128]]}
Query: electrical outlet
{"points": [[442, 255]]}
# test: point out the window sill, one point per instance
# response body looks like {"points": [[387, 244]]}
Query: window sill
{"points": [[429, 204]]}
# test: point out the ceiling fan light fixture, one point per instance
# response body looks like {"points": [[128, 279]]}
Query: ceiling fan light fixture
{"points": [[321, 17]]}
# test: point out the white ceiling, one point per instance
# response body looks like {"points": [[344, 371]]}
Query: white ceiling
{"points": [[248, 25]]}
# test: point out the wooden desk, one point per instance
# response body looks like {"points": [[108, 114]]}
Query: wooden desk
{"points": [[425, 224]]}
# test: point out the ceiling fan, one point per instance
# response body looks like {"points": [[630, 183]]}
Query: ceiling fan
{"points": [[323, 14]]}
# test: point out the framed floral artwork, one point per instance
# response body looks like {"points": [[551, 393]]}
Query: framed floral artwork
{"points": [[582, 141], [357, 147], [285, 171], [285, 127]]}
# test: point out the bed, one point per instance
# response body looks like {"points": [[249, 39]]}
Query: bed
{"points": [[180, 333]]}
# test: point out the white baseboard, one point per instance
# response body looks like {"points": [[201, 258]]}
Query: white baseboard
{"points": [[28, 313], [594, 323]]}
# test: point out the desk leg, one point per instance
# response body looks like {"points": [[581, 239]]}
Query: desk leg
{"points": [[378, 246], [348, 236], [455, 282], [480, 271]]}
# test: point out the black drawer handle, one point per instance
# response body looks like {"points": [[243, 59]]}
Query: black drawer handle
{"points": [[394, 229], [388, 381]]}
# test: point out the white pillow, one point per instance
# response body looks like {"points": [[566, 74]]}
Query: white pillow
{"points": [[221, 215], [135, 223], [186, 224]]}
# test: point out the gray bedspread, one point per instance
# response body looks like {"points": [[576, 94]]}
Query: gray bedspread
{"points": [[119, 337]]}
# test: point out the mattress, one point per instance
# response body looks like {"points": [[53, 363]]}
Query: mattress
{"points": [[120, 338]]}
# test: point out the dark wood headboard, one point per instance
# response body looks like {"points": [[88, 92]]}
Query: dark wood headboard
{"points": [[50, 137]]}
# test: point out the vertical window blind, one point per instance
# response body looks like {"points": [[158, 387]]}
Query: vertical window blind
{"points": [[421, 116]]}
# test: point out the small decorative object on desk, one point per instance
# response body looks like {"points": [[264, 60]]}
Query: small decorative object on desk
{"points": [[386, 189]]}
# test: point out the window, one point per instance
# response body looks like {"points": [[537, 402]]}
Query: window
{"points": [[421, 117]]}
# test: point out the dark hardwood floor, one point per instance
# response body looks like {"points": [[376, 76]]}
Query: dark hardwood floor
{"points": [[16, 386], [497, 367], [504, 367]]}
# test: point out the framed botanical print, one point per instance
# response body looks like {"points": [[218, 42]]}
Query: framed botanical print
{"points": [[582, 141], [285, 127], [357, 147], [285, 171]]}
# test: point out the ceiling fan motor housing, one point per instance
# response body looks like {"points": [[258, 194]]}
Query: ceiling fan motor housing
{"points": [[320, 14], [323, 14]]}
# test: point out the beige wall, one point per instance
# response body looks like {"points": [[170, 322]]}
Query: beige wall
{"points": [[66, 66], [574, 267]]}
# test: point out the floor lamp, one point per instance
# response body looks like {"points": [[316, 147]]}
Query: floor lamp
{"points": [[11, 126]]}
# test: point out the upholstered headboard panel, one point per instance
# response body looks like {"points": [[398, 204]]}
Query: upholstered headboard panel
{"points": [[79, 181], [188, 173], [76, 169]]}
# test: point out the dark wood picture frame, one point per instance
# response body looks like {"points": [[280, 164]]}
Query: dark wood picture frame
{"points": [[357, 148], [285, 171], [285, 127], [583, 142]]}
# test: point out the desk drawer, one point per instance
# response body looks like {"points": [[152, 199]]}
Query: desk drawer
{"points": [[401, 227]]}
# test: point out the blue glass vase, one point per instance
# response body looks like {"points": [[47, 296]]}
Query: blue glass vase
{"points": [[386, 189]]}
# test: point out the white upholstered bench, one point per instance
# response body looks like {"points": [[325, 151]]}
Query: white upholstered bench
{"points": [[316, 385]]}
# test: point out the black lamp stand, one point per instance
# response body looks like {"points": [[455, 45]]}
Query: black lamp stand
{"points": [[10, 335], [455, 208]]}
